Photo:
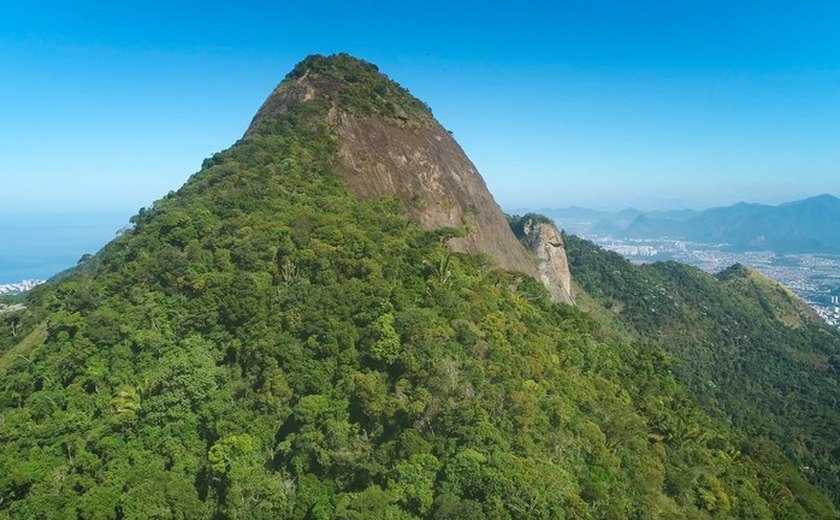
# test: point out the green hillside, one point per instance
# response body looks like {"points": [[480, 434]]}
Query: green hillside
{"points": [[747, 348], [263, 344], [16, 321]]}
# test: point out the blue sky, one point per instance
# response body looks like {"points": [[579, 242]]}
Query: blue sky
{"points": [[105, 107]]}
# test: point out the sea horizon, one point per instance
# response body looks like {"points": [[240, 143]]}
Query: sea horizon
{"points": [[39, 245]]}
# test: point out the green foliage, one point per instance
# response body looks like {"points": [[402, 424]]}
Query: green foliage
{"points": [[518, 223], [386, 348], [262, 344], [16, 321], [748, 350], [360, 88], [224, 452]]}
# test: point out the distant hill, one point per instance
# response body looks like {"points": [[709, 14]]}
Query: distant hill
{"points": [[746, 346], [804, 226], [678, 215], [587, 222]]}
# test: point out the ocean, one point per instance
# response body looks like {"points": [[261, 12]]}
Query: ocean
{"points": [[37, 246]]}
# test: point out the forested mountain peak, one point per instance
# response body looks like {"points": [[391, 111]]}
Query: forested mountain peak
{"points": [[749, 348], [293, 334], [389, 145], [347, 83], [736, 270]]}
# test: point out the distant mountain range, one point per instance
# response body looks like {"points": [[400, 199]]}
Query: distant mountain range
{"points": [[810, 225]]}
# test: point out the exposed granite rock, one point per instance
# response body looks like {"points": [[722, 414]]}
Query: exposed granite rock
{"points": [[545, 241], [394, 147], [439, 186]]}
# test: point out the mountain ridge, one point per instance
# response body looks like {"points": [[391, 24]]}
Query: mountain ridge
{"points": [[803, 226], [755, 352], [263, 343], [404, 152]]}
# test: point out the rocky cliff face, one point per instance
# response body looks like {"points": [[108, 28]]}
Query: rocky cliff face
{"points": [[395, 147], [428, 171], [545, 242]]}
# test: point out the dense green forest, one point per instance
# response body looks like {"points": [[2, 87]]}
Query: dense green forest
{"points": [[262, 344], [748, 349], [16, 321]]}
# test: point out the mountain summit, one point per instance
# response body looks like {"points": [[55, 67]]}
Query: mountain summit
{"points": [[346, 83], [290, 335], [390, 145]]}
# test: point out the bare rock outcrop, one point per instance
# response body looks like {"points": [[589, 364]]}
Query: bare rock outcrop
{"points": [[545, 242], [390, 145], [439, 186]]}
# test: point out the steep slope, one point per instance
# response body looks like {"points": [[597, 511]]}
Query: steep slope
{"points": [[390, 145], [16, 321], [749, 349], [263, 343]]}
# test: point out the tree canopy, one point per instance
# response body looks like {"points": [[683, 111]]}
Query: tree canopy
{"points": [[262, 344]]}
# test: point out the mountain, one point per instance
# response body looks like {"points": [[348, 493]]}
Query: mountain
{"points": [[294, 333], [626, 216], [403, 153], [583, 221], [773, 297], [805, 226], [676, 214], [749, 349], [617, 224]]}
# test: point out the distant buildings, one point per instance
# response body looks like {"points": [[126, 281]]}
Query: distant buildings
{"points": [[17, 288], [636, 250]]}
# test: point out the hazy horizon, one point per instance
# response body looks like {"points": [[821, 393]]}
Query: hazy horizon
{"points": [[644, 202], [608, 105], [39, 244], [653, 203]]}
